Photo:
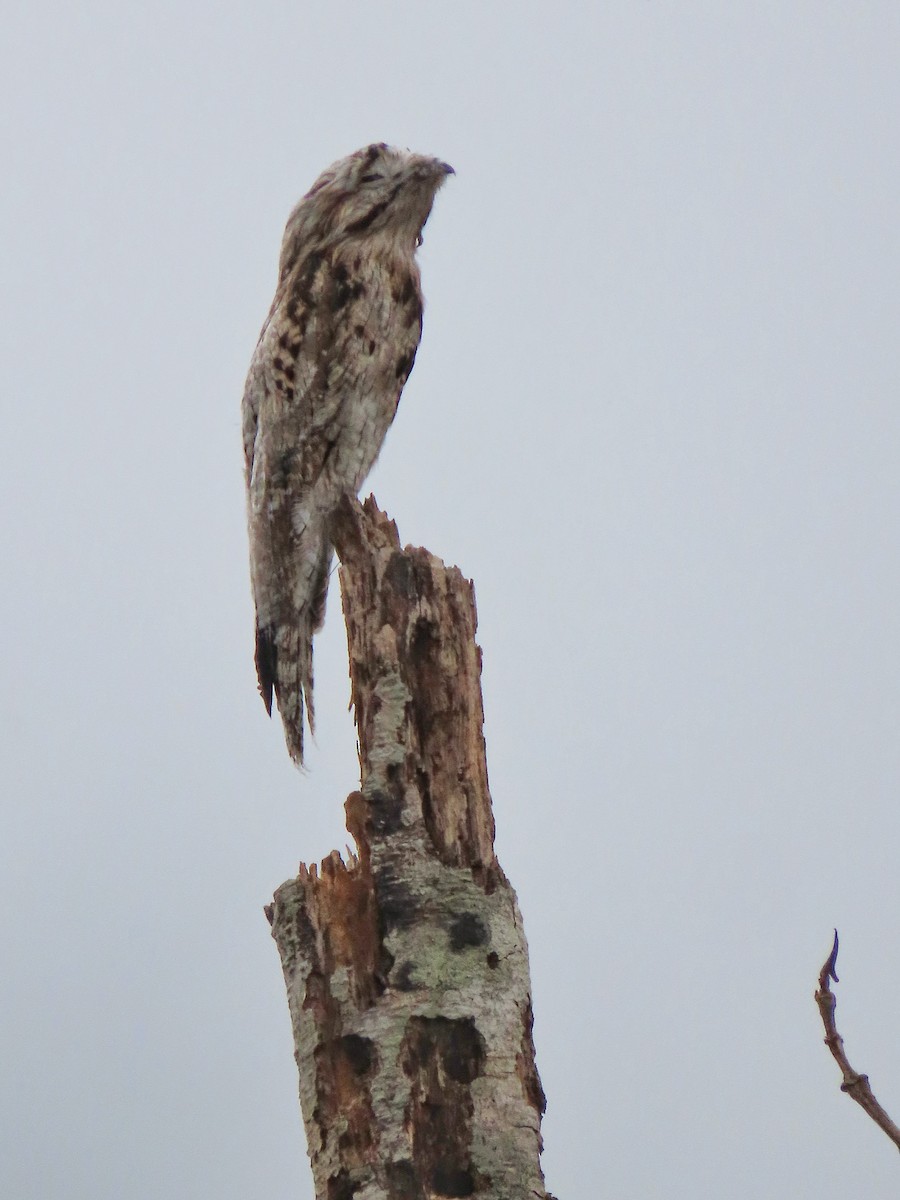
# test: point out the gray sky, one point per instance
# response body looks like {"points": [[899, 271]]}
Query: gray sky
{"points": [[655, 418]]}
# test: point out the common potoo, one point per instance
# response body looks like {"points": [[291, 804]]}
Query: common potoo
{"points": [[324, 383]]}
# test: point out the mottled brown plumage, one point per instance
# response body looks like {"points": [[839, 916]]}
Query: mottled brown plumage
{"points": [[337, 347]]}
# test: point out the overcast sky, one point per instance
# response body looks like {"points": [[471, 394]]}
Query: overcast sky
{"points": [[654, 417]]}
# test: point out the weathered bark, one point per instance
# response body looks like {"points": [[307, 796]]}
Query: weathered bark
{"points": [[406, 966]]}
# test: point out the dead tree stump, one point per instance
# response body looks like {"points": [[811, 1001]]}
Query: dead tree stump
{"points": [[406, 966]]}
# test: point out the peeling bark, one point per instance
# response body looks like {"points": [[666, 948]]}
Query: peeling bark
{"points": [[406, 966]]}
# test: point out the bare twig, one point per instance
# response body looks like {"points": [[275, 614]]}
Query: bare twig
{"points": [[855, 1085]]}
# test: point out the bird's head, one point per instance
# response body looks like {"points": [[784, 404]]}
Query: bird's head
{"points": [[379, 191]]}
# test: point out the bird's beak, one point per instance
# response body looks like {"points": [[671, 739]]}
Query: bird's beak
{"points": [[433, 167]]}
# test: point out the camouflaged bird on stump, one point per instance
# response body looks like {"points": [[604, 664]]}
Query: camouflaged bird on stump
{"points": [[334, 353]]}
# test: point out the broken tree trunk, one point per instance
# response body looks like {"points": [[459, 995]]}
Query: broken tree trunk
{"points": [[406, 966]]}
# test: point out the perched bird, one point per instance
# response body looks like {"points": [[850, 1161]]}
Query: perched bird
{"points": [[324, 383]]}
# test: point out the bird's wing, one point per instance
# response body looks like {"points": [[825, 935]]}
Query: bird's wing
{"points": [[250, 417]]}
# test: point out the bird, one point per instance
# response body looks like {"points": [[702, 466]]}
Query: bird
{"points": [[322, 390]]}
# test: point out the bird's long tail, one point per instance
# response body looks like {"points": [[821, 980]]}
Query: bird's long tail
{"points": [[284, 662]]}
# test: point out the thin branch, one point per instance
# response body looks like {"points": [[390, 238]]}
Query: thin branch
{"points": [[855, 1085]]}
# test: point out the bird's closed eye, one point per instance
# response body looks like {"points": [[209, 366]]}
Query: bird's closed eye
{"points": [[371, 178]]}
